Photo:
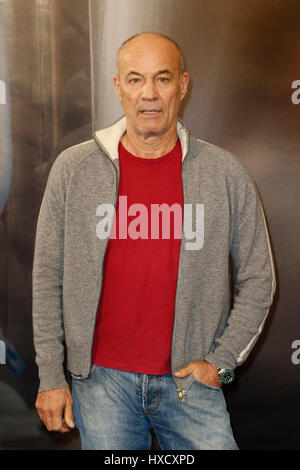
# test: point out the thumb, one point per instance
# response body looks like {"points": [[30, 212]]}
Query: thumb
{"points": [[68, 416], [184, 371]]}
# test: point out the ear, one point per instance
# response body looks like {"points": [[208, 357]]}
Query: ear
{"points": [[116, 82], [184, 83]]}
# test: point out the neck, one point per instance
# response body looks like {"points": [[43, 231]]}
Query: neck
{"points": [[149, 146]]}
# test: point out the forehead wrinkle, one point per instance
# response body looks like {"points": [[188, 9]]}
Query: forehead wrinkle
{"points": [[155, 74]]}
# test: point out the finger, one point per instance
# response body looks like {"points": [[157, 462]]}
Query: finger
{"points": [[64, 428], [44, 415], [47, 420], [57, 421], [68, 415], [184, 371]]}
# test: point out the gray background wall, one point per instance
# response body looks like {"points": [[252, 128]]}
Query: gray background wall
{"points": [[243, 58]]}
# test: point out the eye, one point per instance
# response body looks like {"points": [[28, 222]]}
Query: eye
{"points": [[163, 79], [134, 80]]}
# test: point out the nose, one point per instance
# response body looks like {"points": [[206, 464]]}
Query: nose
{"points": [[149, 91]]}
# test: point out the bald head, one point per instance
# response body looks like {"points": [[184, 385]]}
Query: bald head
{"points": [[145, 42]]}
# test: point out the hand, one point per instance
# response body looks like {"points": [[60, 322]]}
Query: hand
{"points": [[203, 371], [54, 408]]}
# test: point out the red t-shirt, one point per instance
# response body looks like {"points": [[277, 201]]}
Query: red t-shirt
{"points": [[135, 316]]}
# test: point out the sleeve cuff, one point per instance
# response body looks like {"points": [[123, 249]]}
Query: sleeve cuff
{"points": [[50, 379]]}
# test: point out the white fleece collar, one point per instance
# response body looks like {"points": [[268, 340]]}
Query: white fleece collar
{"points": [[108, 139]]}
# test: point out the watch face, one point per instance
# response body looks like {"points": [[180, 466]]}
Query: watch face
{"points": [[226, 376]]}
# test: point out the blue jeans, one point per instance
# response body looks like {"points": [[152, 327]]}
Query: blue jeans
{"points": [[114, 409]]}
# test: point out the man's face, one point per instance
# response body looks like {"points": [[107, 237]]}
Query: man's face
{"points": [[150, 85]]}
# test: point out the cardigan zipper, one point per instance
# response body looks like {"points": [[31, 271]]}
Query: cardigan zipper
{"points": [[180, 390], [116, 193]]}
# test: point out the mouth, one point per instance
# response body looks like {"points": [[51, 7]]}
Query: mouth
{"points": [[150, 112]]}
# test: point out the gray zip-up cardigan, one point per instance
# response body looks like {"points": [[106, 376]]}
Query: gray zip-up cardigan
{"points": [[210, 323]]}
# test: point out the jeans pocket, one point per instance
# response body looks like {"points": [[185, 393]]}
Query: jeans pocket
{"points": [[80, 378], [205, 385]]}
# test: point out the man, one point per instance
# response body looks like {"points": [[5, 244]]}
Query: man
{"points": [[145, 314]]}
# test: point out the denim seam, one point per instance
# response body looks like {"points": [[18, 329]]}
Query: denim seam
{"points": [[158, 400]]}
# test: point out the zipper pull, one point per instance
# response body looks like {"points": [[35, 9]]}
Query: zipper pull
{"points": [[181, 394]]}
